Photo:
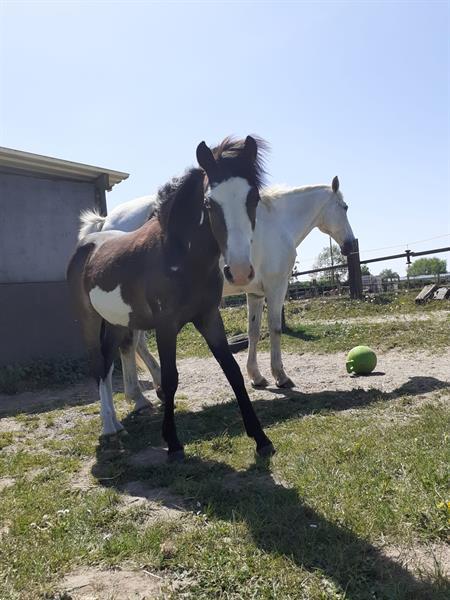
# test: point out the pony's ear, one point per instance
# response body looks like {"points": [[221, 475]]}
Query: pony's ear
{"points": [[205, 158], [335, 184], [251, 148]]}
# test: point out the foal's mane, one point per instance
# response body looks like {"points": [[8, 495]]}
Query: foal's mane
{"points": [[231, 150], [178, 199]]}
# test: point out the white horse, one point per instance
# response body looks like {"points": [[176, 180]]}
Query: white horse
{"points": [[284, 217]]}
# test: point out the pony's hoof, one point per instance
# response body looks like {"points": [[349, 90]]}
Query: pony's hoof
{"points": [[262, 383], [176, 457], [266, 451], [286, 384], [143, 411]]}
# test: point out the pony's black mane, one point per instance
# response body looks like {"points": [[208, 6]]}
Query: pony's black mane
{"points": [[177, 199], [230, 151]]}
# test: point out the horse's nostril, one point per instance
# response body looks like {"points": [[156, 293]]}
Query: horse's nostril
{"points": [[252, 272], [227, 273]]}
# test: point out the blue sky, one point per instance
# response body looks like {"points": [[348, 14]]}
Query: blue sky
{"points": [[358, 89]]}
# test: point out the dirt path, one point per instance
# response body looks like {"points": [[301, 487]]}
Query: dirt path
{"points": [[202, 382], [438, 315]]}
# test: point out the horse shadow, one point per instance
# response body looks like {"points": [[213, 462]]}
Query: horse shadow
{"points": [[278, 519]]}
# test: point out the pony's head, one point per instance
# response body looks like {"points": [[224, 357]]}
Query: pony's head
{"points": [[333, 219], [234, 172]]}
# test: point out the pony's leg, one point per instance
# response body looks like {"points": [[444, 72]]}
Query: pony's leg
{"points": [[212, 329], [275, 299], [110, 423], [149, 360], [254, 312], [166, 338], [130, 380], [110, 340]]}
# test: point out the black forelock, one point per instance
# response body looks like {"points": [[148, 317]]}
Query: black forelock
{"points": [[229, 154]]}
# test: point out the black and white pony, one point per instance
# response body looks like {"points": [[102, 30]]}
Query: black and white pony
{"points": [[166, 274]]}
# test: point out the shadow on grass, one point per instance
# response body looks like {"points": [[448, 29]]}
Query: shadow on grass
{"points": [[279, 523], [299, 333], [278, 519]]}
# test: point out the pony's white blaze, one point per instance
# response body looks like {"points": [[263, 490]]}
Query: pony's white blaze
{"points": [[231, 195], [110, 306]]}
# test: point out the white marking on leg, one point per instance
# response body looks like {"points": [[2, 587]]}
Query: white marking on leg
{"points": [[107, 412], [111, 306], [150, 362], [130, 380]]}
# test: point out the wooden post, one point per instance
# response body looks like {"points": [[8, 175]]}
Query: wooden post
{"points": [[354, 272]]}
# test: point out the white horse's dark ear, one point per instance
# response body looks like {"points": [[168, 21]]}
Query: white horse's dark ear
{"points": [[251, 148], [335, 184], [205, 157]]}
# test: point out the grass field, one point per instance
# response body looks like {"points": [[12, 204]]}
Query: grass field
{"points": [[354, 505]]}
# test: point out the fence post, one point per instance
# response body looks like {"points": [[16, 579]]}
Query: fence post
{"points": [[354, 272]]}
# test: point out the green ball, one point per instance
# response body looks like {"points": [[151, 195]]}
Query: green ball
{"points": [[361, 360]]}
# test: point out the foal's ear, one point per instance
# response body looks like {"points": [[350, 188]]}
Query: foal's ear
{"points": [[205, 158], [251, 148], [335, 184]]}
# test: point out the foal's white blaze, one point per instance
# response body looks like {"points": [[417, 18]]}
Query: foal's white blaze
{"points": [[110, 306], [231, 195]]}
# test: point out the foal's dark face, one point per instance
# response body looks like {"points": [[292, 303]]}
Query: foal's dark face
{"points": [[231, 202]]}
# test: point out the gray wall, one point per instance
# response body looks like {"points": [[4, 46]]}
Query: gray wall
{"points": [[38, 231], [38, 226], [37, 322]]}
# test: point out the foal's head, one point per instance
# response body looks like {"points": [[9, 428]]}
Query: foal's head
{"points": [[333, 219], [235, 171]]}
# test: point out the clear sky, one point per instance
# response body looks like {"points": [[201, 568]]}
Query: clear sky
{"points": [[358, 89]]}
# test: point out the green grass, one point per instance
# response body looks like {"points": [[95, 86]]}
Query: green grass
{"points": [[352, 480], [316, 336]]}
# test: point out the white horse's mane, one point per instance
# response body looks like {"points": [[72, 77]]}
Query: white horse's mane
{"points": [[274, 192]]}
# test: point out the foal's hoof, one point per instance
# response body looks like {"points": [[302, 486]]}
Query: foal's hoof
{"points": [[176, 457], [266, 451], [262, 383], [285, 384]]}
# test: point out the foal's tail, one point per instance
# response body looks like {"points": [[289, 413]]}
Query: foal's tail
{"points": [[90, 222]]}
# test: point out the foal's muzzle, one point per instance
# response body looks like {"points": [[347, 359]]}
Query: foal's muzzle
{"points": [[239, 276]]}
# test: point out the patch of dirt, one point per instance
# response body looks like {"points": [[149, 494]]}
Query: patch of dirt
{"points": [[422, 560], [95, 584], [83, 480], [159, 502], [149, 456], [402, 318], [6, 482]]}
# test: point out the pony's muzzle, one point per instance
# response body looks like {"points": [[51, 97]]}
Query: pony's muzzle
{"points": [[239, 275], [347, 247]]}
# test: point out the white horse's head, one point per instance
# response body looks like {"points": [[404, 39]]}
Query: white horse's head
{"points": [[333, 219], [234, 170]]}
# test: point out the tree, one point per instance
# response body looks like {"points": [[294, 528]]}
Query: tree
{"points": [[427, 266], [365, 270], [389, 275], [326, 258]]}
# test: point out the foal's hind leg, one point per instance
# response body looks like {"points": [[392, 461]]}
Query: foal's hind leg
{"points": [[150, 362], [130, 381]]}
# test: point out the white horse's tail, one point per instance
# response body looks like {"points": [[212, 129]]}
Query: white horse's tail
{"points": [[90, 222]]}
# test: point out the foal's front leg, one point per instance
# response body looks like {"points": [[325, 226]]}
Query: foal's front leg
{"points": [[211, 328], [166, 338]]}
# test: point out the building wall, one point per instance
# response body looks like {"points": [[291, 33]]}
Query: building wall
{"points": [[37, 323], [38, 232], [38, 226]]}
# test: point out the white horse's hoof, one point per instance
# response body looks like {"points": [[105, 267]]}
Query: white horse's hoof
{"points": [[285, 383], [261, 383]]}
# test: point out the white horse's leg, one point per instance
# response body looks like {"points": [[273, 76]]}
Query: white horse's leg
{"points": [[254, 312], [110, 423], [130, 380], [150, 362], [275, 299]]}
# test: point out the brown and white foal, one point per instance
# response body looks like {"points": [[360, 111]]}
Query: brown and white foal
{"points": [[167, 274]]}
